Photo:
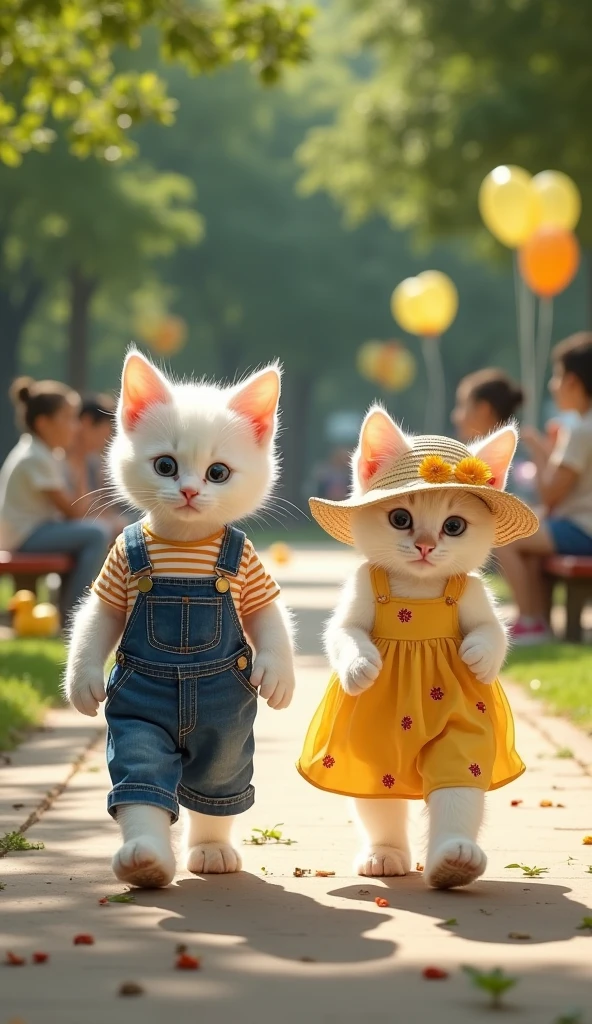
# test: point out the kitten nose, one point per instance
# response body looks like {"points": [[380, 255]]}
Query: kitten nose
{"points": [[189, 493], [425, 549]]}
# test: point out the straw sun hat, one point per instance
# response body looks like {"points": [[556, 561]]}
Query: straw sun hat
{"points": [[432, 464]]}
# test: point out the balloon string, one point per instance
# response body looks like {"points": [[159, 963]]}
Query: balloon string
{"points": [[543, 347], [436, 400], [525, 313]]}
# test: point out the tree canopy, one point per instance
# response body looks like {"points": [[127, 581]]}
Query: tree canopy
{"points": [[449, 90], [58, 63]]}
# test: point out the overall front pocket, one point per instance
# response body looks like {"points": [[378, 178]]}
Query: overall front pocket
{"points": [[184, 625]]}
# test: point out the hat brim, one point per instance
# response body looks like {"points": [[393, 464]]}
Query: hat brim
{"points": [[513, 519]]}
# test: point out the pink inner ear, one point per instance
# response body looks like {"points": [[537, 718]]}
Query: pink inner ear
{"points": [[141, 387], [381, 442], [257, 402], [497, 453]]}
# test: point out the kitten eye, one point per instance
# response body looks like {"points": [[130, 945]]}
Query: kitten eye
{"points": [[401, 519], [454, 526], [165, 465], [217, 473]]}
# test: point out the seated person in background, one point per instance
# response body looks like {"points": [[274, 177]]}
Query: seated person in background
{"points": [[563, 463], [86, 462], [38, 513], [485, 400]]}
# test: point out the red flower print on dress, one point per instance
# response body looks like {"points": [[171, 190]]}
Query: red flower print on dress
{"points": [[481, 707], [436, 693], [406, 722], [388, 781], [328, 761], [404, 615], [475, 770]]}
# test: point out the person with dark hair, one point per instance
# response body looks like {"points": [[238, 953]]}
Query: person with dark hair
{"points": [[86, 455], [563, 460], [38, 512], [485, 400]]}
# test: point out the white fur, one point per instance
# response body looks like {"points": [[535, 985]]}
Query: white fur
{"points": [[455, 814], [198, 424]]}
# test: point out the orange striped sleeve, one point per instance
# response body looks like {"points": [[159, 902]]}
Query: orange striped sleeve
{"points": [[111, 583], [259, 588]]}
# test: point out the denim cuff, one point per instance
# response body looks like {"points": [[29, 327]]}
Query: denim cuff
{"points": [[141, 793], [220, 806]]}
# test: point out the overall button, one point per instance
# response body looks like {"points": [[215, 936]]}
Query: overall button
{"points": [[450, 600], [222, 585], [120, 658], [242, 662], [145, 584]]}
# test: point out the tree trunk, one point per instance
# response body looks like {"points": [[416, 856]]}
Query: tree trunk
{"points": [[13, 317], [295, 405], [82, 289]]}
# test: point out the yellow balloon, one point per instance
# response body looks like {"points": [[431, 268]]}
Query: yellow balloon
{"points": [[425, 305], [406, 304], [509, 206], [368, 359], [558, 198], [398, 368]]}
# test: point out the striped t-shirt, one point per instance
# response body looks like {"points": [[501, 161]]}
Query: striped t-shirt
{"points": [[252, 588]]}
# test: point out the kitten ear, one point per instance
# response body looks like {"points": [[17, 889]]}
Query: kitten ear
{"points": [[497, 451], [257, 400], [381, 442], [142, 385]]}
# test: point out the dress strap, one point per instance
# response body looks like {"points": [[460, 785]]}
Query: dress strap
{"points": [[380, 584], [455, 588], [231, 551], [136, 551]]}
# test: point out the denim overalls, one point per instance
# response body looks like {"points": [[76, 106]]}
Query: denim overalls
{"points": [[180, 707]]}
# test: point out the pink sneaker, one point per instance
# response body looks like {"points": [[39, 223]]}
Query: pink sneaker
{"points": [[526, 634]]}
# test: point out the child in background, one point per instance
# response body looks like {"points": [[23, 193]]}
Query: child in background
{"points": [[38, 514], [564, 479], [485, 400]]}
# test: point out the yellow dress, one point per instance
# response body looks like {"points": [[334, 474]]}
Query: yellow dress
{"points": [[426, 723]]}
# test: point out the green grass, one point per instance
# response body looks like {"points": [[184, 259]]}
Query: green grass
{"points": [[30, 672], [565, 675]]}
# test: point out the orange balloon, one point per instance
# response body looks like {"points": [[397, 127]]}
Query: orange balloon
{"points": [[549, 261], [169, 336]]}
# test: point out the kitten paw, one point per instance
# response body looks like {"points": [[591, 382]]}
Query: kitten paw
{"points": [[382, 862], [455, 863], [213, 859], [86, 693], [144, 863], [360, 674], [481, 658]]}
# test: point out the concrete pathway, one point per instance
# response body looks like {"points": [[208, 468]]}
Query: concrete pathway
{"points": [[275, 946]]}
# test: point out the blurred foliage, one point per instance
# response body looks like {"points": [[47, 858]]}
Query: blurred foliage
{"points": [[58, 63], [450, 89]]}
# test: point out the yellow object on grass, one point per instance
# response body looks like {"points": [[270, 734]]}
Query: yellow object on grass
{"points": [[31, 619]]}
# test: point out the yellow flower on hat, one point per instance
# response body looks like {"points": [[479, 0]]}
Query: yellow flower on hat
{"points": [[435, 470], [473, 471]]}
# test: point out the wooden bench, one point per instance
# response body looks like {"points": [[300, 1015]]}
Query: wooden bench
{"points": [[26, 570], [576, 573]]}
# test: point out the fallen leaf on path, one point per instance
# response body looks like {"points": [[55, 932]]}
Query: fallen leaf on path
{"points": [[118, 897], [451, 921], [419, 867], [519, 935], [586, 924], [301, 872], [381, 902], [130, 988], [587, 840], [434, 973], [12, 960], [84, 939], [546, 803], [363, 892], [324, 874], [184, 962], [516, 803], [40, 958]]}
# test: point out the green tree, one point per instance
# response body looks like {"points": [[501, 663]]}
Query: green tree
{"points": [[91, 226], [452, 88], [58, 63]]}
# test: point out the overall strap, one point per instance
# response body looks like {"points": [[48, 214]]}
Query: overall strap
{"points": [[380, 584], [136, 551], [231, 551], [455, 589]]}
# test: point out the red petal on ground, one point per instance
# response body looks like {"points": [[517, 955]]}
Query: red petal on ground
{"points": [[434, 973], [84, 940], [184, 962]]}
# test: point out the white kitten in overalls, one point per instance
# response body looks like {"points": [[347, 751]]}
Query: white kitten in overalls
{"points": [[183, 598]]}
